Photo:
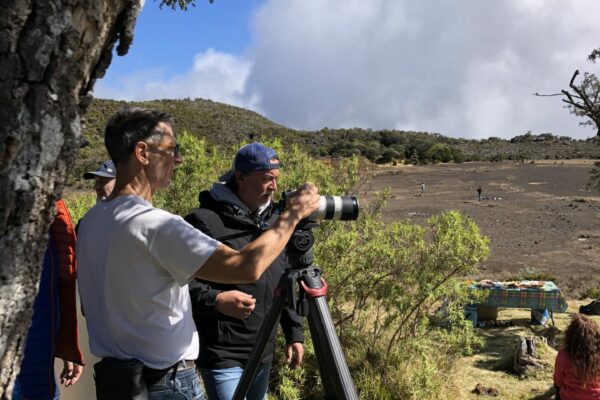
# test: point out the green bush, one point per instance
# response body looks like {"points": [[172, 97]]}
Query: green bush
{"points": [[591, 293], [594, 179], [529, 273], [79, 202], [439, 152], [385, 279]]}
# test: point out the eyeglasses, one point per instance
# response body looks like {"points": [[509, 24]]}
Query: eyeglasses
{"points": [[171, 150]]}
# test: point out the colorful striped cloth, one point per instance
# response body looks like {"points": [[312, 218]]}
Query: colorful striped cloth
{"points": [[547, 297]]}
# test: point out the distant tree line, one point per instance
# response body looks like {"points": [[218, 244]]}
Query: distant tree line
{"points": [[225, 125]]}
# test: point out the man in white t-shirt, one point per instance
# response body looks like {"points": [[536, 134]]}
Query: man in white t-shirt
{"points": [[135, 261]]}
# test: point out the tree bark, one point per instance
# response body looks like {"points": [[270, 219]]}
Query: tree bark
{"points": [[51, 53]]}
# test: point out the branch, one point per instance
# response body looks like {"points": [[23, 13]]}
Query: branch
{"points": [[547, 95], [573, 78]]}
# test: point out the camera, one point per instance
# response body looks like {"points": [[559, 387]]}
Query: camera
{"points": [[342, 208]]}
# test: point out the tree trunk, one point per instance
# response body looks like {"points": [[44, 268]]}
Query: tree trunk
{"points": [[525, 355], [51, 53]]}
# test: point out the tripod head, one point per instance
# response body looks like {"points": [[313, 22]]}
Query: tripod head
{"points": [[299, 247]]}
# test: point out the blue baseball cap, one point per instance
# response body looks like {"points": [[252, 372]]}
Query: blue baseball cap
{"points": [[105, 170], [252, 157]]}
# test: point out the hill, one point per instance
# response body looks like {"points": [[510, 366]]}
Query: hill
{"points": [[223, 125]]}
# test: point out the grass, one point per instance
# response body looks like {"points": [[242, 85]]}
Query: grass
{"points": [[489, 366], [592, 292]]}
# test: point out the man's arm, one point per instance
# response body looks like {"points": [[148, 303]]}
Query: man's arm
{"points": [[227, 265], [207, 301], [203, 298]]}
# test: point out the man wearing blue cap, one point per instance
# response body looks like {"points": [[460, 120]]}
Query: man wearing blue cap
{"points": [[135, 262], [228, 316], [104, 177]]}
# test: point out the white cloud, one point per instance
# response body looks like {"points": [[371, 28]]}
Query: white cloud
{"points": [[214, 75], [463, 68]]}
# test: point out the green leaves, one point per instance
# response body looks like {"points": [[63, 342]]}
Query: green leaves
{"points": [[594, 180], [386, 279]]}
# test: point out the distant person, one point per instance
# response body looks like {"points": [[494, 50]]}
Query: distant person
{"points": [[577, 368], [104, 182], [422, 188], [104, 177], [53, 330], [479, 190], [240, 203], [135, 262]]}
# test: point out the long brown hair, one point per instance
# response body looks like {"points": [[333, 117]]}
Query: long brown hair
{"points": [[582, 343]]}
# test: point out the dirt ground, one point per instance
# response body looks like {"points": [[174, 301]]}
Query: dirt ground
{"points": [[539, 216]]}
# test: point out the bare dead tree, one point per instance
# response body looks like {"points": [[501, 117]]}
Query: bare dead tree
{"points": [[583, 99]]}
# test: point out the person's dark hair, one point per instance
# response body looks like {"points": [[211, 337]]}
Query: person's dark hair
{"points": [[582, 343], [130, 125]]}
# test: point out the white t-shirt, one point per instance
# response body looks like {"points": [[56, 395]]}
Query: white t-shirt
{"points": [[134, 262]]}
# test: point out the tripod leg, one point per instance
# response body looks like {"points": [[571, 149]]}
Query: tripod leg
{"points": [[266, 330], [337, 381]]}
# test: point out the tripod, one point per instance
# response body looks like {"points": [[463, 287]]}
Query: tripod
{"points": [[310, 302]]}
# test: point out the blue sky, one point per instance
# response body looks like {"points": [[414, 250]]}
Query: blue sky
{"points": [[165, 39], [462, 68]]}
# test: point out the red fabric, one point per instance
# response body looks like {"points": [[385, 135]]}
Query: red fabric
{"points": [[63, 234], [571, 387]]}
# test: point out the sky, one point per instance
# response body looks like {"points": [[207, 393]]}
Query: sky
{"points": [[461, 68]]}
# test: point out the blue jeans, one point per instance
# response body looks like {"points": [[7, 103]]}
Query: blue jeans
{"points": [[18, 391], [185, 386], [220, 384]]}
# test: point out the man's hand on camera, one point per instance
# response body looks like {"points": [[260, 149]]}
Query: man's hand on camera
{"points": [[304, 201], [234, 303]]}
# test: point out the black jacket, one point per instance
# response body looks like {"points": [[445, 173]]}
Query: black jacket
{"points": [[226, 342]]}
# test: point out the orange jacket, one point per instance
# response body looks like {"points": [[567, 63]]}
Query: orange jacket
{"points": [[62, 232]]}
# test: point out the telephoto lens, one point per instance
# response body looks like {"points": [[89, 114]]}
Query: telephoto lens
{"points": [[343, 208]]}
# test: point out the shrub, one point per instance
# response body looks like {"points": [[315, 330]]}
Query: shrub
{"points": [[385, 279], [78, 203], [533, 274], [594, 180], [591, 293], [439, 153]]}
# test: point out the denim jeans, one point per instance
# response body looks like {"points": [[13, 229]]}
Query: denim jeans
{"points": [[18, 391], [185, 386], [220, 384]]}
